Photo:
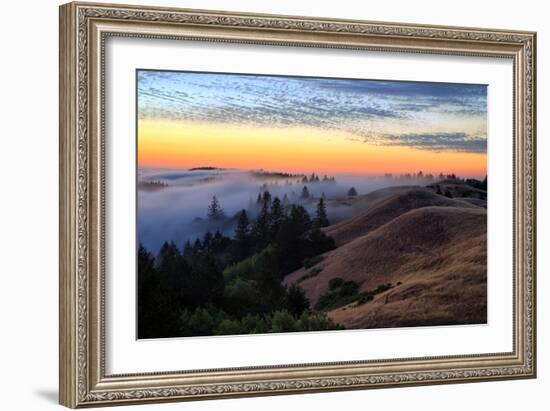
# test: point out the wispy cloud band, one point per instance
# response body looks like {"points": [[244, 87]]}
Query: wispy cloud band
{"points": [[398, 113]]}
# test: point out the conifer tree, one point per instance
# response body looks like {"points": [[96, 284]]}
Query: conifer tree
{"points": [[261, 227], [242, 237], [243, 227], [321, 219], [276, 216], [352, 192], [266, 197], [215, 211], [188, 253], [285, 200]]}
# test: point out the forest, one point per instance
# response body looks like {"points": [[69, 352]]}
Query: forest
{"points": [[233, 284]]}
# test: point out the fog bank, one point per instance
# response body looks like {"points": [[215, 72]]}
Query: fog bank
{"points": [[173, 204]]}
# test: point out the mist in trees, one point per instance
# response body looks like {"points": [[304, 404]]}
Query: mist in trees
{"points": [[222, 284]]}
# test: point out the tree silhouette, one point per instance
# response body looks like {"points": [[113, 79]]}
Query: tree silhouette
{"points": [[242, 243], [215, 211], [276, 216], [286, 201], [305, 192], [352, 192], [188, 252], [266, 197], [207, 241], [321, 219], [296, 300], [260, 230], [243, 227]]}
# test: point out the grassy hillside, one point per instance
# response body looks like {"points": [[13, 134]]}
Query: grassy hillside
{"points": [[416, 258], [390, 207]]}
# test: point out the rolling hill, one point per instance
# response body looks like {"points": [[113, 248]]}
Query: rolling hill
{"points": [[392, 204], [428, 250]]}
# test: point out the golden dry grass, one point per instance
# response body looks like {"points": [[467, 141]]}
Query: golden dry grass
{"points": [[387, 208], [438, 254]]}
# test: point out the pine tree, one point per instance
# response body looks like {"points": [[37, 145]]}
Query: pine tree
{"points": [[321, 219], [188, 253], [285, 200], [276, 216], [243, 227], [217, 244], [207, 241], [215, 211], [158, 299], [352, 192], [266, 197], [171, 267], [305, 192], [261, 227], [242, 237], [197, 246], [300, 219]]}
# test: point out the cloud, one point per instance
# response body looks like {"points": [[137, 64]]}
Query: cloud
{"points": [[437, 141], [357, 107]]}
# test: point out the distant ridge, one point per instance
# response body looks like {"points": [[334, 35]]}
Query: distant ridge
{"points": [[206, 168]]}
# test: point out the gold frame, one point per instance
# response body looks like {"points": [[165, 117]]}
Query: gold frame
{"points": [[83, 30]]}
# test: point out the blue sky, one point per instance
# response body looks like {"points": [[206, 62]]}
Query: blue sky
{"points": [[429, 116]]}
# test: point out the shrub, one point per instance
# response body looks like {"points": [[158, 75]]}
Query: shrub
{"points": [[241, 297], [340, 293], [254, 324], [228, 327], [201, 321], [335, 283], [317, 322], [283, 321], [383, 287], [348, 288], [365, 298], [296, 300]]}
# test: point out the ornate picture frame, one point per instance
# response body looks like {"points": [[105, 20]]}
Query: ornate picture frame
{"points": [[84, 29]]}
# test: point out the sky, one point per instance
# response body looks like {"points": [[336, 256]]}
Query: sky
{"points": [[300, 124]]}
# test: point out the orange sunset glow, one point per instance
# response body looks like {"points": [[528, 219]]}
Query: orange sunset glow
{"points": [[299, 124], [185, 145]]}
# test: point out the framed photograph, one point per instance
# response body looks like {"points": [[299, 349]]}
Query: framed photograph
{"points": [[259, 204]]}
